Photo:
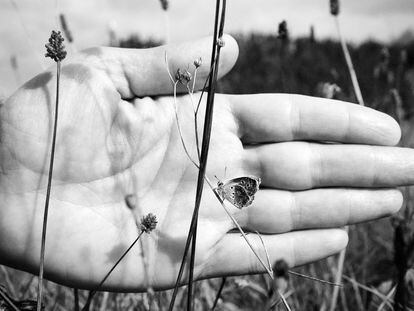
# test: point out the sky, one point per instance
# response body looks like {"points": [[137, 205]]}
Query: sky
{"points": [[25, 25]]}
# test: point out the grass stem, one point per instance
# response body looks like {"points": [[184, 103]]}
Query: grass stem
{"points": [[223, 281], [349, 63], [93, 292], [49, 186]]}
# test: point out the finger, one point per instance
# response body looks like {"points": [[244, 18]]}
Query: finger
{"points": [[277, 211], [285, 117], [301, 165], [232, 255], [143, 72]]}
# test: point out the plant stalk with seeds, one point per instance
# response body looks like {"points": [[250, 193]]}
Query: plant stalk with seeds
{"points": [[148, 224], [56, 51]]}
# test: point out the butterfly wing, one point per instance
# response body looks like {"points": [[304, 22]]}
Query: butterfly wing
{"points": [[249, 183], [236, 195]]}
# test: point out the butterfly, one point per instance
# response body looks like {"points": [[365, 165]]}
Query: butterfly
{"points": [[239, 191]]}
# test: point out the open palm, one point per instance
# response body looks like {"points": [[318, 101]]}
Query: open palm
{"points": [[118, 138]]}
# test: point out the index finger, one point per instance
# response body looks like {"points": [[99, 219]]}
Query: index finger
{"points": [[286, 117]]}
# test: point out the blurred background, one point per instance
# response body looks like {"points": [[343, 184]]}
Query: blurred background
{"points": [[285, 46]]}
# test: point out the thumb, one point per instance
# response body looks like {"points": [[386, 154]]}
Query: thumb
{"points": [[143, 72]]}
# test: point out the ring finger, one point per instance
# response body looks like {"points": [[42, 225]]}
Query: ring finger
{"points": [[278, 211]]}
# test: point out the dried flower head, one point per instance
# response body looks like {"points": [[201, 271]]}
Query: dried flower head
{"points": [[328, 90], [334, 5], [164, 4], [281, 275], [148, 223], [55, 48], [282, 32], [198, 62], [281, 269], [183, 76]]}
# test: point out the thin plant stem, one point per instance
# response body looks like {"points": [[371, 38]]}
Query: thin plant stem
{"points": [[285, 303], [76, 297], [314, 279], [265, 249], [338, 277], [223, 281], [279, 301], [385, 301], [348, 60], [195, 119], [93, 292], [49, 186], [203, 162], [215, 59], [179, 127]]}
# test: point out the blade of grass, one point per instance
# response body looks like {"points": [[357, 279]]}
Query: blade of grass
{"points": [[349, 63], [49, 186], [223, 282]]}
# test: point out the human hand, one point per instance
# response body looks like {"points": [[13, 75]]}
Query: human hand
{"points": [[114, 140]]}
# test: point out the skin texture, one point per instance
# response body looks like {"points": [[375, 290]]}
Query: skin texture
{"points": [[323, 164]]}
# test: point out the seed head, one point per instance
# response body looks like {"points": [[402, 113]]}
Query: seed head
{"points": [[198, 62], [148, 223], [183, 77], [281, 269], [334, 5], [281, 275], [55, 48], [282, 32]]}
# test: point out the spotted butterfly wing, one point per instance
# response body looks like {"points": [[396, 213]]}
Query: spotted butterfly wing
{"points": [[239, 191]]}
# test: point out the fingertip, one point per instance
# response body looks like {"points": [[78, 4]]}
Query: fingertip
{"points": [[329, 242], [389, 129], [395, 201], [395, 132], [381, 127], [341, 239]]}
